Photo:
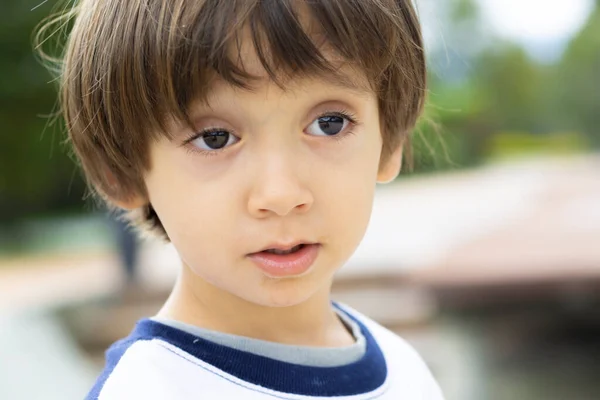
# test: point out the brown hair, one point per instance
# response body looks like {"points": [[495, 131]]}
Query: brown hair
{"points": [[128, 66]]}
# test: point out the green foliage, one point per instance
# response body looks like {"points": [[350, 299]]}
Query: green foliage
{"points": [[36, 174], [576, 97], [506, 91], [511, 144]]}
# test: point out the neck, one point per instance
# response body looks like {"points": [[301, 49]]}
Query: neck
{"points": [[310, 323]]}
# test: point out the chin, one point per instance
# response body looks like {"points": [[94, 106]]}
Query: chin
{"points": [[284, 293]]}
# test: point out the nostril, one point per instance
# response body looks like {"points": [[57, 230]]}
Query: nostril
{"points": [[279, 202]]}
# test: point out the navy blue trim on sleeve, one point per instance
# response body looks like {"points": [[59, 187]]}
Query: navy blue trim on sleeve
{"points": [[113, 356]]}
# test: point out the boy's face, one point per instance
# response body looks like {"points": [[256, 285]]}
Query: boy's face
{"points": [[268, 167]]}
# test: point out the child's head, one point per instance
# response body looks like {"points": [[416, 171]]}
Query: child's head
{"points": [[231, 126]]}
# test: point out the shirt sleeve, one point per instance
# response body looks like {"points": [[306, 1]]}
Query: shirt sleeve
{"points": [[432, 389]]}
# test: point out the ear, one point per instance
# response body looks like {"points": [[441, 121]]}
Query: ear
{"points": [[130, 203], [390, 170]]}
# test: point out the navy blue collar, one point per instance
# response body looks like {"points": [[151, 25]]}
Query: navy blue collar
{"points": [[362, 376]]}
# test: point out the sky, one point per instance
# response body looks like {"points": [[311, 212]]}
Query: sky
{"points": [[536, 20], [542, 27]]}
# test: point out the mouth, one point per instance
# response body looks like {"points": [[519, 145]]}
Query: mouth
{"points": [[285, 248], [279, 261], [283, 252]]}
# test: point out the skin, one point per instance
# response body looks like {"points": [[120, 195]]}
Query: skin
{"points": [[282, 181]]}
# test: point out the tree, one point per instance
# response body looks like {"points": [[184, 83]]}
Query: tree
{"points": [[576, 82], [36, 174]]}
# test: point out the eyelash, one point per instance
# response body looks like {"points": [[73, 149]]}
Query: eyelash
{"points": [[343, 113], [346, 114], [207, 153]]}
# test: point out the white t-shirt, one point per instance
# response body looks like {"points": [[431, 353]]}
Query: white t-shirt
{"points": [[157, 361]]}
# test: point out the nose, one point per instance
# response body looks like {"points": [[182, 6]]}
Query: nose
{"points": [[277, 187]]}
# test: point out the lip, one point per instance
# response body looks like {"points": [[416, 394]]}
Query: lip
{"points": [[286, 265], [285, 246]]}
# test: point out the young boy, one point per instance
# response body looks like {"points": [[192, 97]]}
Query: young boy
{"points": [[251, 135]]}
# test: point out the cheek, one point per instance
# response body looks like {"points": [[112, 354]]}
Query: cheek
{"points": [[195, 214], [357, 164], [199, 224], [348, 189]]}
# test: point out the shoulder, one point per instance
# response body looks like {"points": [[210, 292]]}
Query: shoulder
{"points": [[130, 368], [403, 362], [149, 368], [158, 362]]}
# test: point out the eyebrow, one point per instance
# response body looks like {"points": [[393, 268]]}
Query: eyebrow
{"points": [[340, 80], [343, 81]]}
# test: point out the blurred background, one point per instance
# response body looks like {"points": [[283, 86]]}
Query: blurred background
{"points": [[486, 257]]}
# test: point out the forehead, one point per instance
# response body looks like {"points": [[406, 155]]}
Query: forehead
{"points": [[346, 78], [263, 67]]}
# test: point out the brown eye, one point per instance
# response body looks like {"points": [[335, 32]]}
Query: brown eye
{"points": [[328, 125], [214, 140], [331, 125]]}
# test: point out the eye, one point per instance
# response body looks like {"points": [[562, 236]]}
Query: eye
{"points": [[329, 124], [213, 139]]}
